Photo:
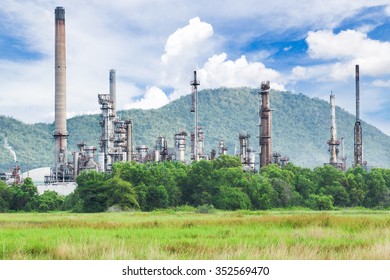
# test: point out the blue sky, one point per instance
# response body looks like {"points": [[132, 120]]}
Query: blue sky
{"points": [[307, 47]]}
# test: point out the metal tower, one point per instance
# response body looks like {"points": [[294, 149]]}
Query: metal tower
{"points": [[358, 145], [333, 142], [194, 108]]}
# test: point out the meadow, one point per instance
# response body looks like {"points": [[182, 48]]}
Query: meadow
{"points": [[279, 235]]}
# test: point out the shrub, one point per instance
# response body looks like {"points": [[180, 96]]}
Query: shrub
{"points": [[206, 209]]}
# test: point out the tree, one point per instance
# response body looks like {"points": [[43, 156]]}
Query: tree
{"points": [[99, 191], [5, 197], [320, 202], [273, 171], [339, 194], [50, 201], [304, 186], [328, 174], [378, 194], [286, 195], [152, 197], [25, 196], [230, 198], [259, 191], [226, 161], [199, 188], [90, 189], [356, 188], [120, 193], [73, 202]]}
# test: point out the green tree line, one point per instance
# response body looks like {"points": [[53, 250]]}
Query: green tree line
{"points": [[220, 183]]}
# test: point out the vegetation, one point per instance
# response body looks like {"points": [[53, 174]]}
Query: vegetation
{"points": [[300, 128], [26, 198], [185, 220], [305, 235], [220, 184]]}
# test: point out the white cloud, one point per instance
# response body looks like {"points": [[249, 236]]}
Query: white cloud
{"points": [[347, 44], [387, 10], [182, 56], [341, 52], [128, 36], [184, 49], [220, 72], [153, 98], [263, 54], [186, 41], [381, 83]]}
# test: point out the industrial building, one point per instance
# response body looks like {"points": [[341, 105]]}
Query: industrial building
{"points": [[116, 143]]}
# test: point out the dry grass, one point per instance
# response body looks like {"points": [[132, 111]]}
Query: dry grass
{"points": [[224, 235]]}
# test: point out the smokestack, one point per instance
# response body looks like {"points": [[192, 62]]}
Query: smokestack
{"points": [[113, 90], [357, 93], [60, 132]]}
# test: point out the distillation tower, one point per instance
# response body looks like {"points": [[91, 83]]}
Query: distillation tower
{"points": [[222, 148], [180, 145], [265, 142], [343, 157], [247, 153], [358, 144], [116, 137], [333, 142]]}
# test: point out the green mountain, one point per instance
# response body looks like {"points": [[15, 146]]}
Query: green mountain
{"points": [[301, 128]]}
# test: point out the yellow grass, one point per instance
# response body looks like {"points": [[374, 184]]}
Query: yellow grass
{"points": [[283, 235]]}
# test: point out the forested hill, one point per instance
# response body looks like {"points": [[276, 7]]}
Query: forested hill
{"points": [[300, 128]]}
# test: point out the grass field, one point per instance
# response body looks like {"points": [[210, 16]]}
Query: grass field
{"points": [[302, 235]]}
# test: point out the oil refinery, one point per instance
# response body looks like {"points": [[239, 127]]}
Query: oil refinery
{"points": [[116, 141]]}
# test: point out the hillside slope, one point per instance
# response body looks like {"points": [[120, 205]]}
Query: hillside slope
{"points": [[300, 128]]}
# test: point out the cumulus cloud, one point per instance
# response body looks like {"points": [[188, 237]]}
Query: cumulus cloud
{"points": [[340, 52], [218, 72], [184, 49], [103, 35], [153, 98], [183, 55], [186, 41]]}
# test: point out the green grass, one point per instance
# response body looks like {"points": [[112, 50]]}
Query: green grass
{"points": [[344, 234]]}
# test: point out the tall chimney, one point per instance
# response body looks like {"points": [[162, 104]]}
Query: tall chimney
{"points": [[60, 132], [113, 90]]}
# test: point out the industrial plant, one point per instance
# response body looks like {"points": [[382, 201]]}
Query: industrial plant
{"points": [[116, 142]]}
